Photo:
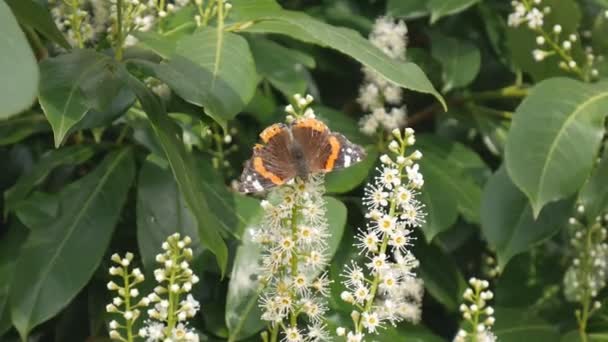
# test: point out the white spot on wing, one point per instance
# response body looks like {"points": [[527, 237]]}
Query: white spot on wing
{"points": [[257, 185], [347, 161]]}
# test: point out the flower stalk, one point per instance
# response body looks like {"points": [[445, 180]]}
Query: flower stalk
{"points": [[391, 292], [586, 276]]}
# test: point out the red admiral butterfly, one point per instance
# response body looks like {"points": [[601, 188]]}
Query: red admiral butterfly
{"points": [[298, 150]]}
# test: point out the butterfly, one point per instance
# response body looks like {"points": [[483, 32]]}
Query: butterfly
{"points": [[299, 149]]}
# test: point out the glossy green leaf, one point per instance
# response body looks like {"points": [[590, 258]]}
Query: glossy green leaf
{"points": [[284, 68], [242, 313], [218, 75], [38, 210], [230, 66], [351, 43], [184, 169], [594, 194], [156, 42], [72, 155], [34, 15], [345, 180], [442, 8], [507, 221], [516, 325], [461, 60], [61, 258], [450, 171], [554, 138], [10, 245], [74, 84], [17, 64], [20, 127], [161, 211], [440, 273], [407, 9]]}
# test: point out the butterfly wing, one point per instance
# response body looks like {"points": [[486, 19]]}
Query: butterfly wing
{"points": [[270, 164], [324, 151], [349, 154]]}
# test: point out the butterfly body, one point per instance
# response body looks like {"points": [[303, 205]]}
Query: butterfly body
{"points": [[298, 150]]}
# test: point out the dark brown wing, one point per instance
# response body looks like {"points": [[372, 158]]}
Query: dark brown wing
{"points": [[270, 164], [311, 136], [325, 151]]}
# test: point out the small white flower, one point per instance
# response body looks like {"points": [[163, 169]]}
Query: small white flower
{"points": [[370, 321]]}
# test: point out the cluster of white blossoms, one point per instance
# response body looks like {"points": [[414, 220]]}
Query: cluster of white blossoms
{"points": [[85, 21], [141, 15], [125, 303], [386, 288], [377, 96], [172, 303], [587, 275], [478, 315], [81, 20], [555, 42], [293, 236]]}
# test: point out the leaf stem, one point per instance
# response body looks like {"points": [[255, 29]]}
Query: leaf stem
{"points": [[119, 28], [129, 327]]}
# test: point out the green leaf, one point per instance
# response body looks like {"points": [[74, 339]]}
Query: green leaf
{"points": [[461, 60], [184, 169], [242, 313], [349, 42], [156, 42], [218, 75], [61, 258], [407, 9], [594, 194], [284, 68], [554, 138], [515, 325], [161, 211], [10, 245], [442, 8], [450, 170], [343, 181], [231, 66], [34, 15], [72, 155], [20, 127], [441, 276], [507, 221], [38, 210], [18, 67], [74, 84]]}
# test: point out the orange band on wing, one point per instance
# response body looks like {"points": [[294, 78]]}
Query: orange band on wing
{"points": [[333, 156], [258, 166], [313, 124], [270, 132]]}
